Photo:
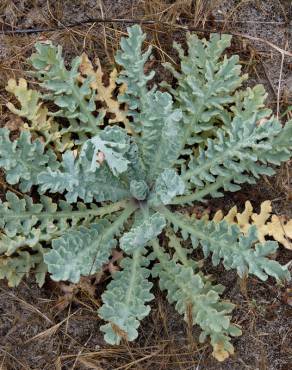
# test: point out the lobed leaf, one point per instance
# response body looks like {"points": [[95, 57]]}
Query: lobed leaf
{"points": [[133, 60], [167, 185], [83, 251], [237, 155], [104, 94], [14, 268], [113, 144], [40, 122], [229, 244], [161, 133], [267, 224], [80, 252], [125, 299], [199, 136], [142, 233], [23, 159], [206, 84], [85, 177], [189, 293], [28, 228], [74, 101]]}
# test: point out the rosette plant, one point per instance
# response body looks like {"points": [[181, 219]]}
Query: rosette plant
{"points": [[103, 166]]}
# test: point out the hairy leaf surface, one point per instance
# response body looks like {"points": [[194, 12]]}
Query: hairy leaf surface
{"points": [[116, 165], [125, 299]]}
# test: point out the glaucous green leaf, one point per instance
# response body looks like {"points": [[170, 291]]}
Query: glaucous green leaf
{"points": [[124, 302], [23, 159], [142, 233], [168, 185], [80, 252]]}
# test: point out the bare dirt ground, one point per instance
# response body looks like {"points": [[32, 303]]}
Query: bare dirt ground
{"points": [[39, 329]]}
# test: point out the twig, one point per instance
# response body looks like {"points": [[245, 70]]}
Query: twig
{"points": [[76, 24], [282, 51], [141, 21], [268, 78], [279, 85], [104, 33]]}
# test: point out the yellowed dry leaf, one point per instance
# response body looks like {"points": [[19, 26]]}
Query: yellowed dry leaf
{"points": [[220, 353], [39, 122], [267, 224], [104, 94]]}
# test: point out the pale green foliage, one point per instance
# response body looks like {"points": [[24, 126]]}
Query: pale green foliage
{"points": [[192, 295], [236, 153], [23, 160], [39, 120], [206, 84], [27, 226], [124, 301], [114, 144], [143, 233], [167, 185], [68, 262], [133, 60], [74, 101], [226, 243], [139, 189], [14, 268], [201, 136], [84, 177], [160, 134]]}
